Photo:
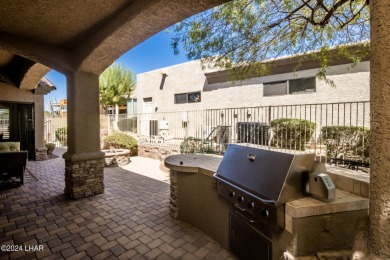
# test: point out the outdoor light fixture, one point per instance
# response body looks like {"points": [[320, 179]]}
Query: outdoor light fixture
{"points": [[248, 114], [222, 114]]}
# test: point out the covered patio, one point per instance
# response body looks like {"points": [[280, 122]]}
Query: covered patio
{"points": [[130, 220], [80, 40]]}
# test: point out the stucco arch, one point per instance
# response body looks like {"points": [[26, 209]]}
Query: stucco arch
{"points": [[33, 75], [132, 26], [89, 35]]}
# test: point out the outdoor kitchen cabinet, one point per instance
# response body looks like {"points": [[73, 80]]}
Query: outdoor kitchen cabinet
{"points": [[310, 225], [193, 195]]}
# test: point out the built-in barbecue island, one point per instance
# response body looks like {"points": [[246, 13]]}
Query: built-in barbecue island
{"points": [[259, 204]]}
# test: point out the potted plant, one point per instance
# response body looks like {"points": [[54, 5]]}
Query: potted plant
{"points": [[50, 148]]}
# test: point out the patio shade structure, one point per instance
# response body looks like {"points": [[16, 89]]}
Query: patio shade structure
{"points": [[80, 39]]}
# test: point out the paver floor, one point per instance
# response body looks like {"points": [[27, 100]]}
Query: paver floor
{"points": [[130, 220]]}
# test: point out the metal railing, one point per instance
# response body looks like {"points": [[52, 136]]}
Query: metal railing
{"points": [[331, 130], [335, 130], [55, 131]]}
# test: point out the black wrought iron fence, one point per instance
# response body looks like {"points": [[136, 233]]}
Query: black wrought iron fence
{"points": [[332, 130], [336, 132]]}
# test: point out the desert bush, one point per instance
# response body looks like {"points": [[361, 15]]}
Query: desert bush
{"points": [[50, 147], [128, 124], [120, 140], [350, 142], [196, 145], [62, 135], [291, 133]]}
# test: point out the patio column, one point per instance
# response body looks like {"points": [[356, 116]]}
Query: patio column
{"points": [[379, 243], [84, 162]]}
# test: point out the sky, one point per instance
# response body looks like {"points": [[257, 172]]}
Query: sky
{"points": [[152, 54]]}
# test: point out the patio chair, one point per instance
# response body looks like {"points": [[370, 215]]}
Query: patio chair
{"points": [[12, 166]]}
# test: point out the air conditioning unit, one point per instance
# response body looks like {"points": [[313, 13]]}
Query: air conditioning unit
{"points": [[252, 132]]}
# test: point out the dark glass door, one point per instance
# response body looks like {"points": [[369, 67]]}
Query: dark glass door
{"points": [[27, 131], [19, 125]]}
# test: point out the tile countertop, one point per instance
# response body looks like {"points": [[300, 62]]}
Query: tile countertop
{"points": [[194, 163], [309, 206]]}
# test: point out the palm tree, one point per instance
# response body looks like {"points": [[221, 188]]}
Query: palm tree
{"points": [[116, 84]]}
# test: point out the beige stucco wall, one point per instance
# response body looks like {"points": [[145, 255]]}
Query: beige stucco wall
{"points": [[11, 93], [351, 85]]}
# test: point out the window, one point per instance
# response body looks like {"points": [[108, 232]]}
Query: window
{"points": [[180, 98], [132, 106], [192, 97], [300, 86], [275, 88], [4, 123], [148, 106], [292, 86]]}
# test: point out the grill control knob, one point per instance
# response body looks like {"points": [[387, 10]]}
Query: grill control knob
{"points": [[251, 205], [240, 199], [264, 213], [232, 193]]}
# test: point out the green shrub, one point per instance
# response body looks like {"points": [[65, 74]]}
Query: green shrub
{"points": [[128, 124], [351, 142], [291, 133], [62, 135], [50, 147], [120, 140], [196, 145]]}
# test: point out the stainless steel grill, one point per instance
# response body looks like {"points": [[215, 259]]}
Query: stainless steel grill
{"points": [[257, 184]]}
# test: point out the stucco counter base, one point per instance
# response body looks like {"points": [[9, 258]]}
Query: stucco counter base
{"points": [[194, 198], [318, 226]]}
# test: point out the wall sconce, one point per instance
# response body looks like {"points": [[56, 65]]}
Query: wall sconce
{"points": [[235, 114], [222, 113], [248, 114]]}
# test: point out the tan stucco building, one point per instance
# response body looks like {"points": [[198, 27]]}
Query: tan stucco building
{"points": [[188, 87]]}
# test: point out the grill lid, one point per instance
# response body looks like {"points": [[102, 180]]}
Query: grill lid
{"points": [[266, 174]]}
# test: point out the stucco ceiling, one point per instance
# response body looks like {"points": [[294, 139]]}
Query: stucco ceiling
{"points": [[57, 22], [83, 35], [5, 57]]}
